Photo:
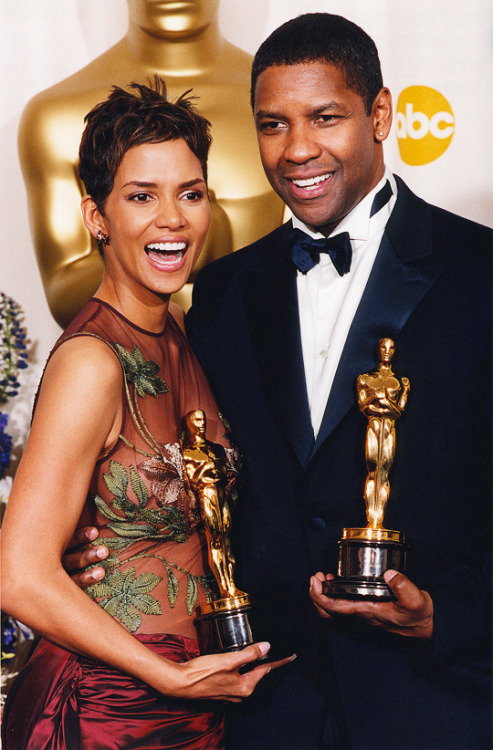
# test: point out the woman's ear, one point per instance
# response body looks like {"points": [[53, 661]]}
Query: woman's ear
{"points": [[92, 217]]}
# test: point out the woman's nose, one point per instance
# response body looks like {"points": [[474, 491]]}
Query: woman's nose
{"points": [[170, 215]]}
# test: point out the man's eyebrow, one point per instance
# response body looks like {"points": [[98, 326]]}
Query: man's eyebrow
{"points": [[327, 106], [317, 110], [269, 114]]}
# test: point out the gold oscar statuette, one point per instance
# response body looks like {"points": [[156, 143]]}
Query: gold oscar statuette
{"points": [[366, 553], [182, 42], [205, 466]]}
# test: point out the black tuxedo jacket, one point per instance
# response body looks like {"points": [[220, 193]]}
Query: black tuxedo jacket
{"points": [[352, 685]]}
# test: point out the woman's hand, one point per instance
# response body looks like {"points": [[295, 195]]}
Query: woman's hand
{"points": [[220, 676]]}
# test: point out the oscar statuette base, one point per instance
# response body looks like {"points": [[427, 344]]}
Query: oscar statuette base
{"points": [[364, 556], [228, 618]]}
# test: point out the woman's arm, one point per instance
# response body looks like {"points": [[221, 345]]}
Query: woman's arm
{"points": [[78, 417]]}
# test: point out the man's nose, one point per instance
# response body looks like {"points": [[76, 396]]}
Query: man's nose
{"points": [[302, 144]]}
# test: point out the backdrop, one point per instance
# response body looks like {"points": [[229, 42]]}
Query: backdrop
{"points": [[436, 59]]}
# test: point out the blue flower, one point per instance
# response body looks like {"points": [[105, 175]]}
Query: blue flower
{"points": [[5, 444], [9, 637], [13, 349]]}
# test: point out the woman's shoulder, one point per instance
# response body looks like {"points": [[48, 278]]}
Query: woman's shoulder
{"points": [[85, 358]]}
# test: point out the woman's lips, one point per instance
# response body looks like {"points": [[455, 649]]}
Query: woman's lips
{"points": [[167, 256]]}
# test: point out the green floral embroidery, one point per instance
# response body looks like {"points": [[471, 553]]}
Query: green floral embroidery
{"points": [[141, 373], [121, 594], [126, 596], [138, 522], [207, 582]]}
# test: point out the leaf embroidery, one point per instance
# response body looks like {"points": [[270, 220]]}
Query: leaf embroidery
{"points": [[126, 596], [172, 586], [142, 373], [138, 487], [191, 594], [138, 521]]}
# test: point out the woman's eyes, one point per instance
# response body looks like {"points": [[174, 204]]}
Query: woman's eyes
{"points": [[189, 195], [140, 197], [193, 195]]}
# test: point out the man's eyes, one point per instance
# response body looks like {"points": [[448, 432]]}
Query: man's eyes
{"points": [[327, 118], [270, 125]]}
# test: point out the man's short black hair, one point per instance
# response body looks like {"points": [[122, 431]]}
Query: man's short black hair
{"points": [[328, 38]]}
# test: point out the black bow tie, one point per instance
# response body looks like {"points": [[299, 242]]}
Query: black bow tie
{"points": [[305, 251]]}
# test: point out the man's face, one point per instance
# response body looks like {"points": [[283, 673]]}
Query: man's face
{"points": [[317, 144]]}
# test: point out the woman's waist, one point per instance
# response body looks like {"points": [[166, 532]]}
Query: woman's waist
{"points": [[145, 587]]}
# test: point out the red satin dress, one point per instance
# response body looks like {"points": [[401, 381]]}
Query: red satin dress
{"points": [[156, 572]]}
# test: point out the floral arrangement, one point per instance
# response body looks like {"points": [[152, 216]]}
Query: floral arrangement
{"points": [[16, 638], [13, 357]]}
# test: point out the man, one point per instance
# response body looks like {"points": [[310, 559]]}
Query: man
{"points": [[283, 347], [283, 334]]}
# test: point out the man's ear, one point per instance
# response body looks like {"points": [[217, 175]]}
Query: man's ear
{"points": [[93, 219], [382, 115]]}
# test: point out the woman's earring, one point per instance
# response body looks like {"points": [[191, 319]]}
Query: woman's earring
{"points": [[102, 238]]}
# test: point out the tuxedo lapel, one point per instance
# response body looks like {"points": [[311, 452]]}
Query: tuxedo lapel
{"points": [[397, 284], [271, 307]]}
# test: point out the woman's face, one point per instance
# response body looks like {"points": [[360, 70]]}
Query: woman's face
{"points": [[157, 216]]}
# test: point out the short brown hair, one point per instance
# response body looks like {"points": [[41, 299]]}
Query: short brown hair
{"points": [[130, 118]]}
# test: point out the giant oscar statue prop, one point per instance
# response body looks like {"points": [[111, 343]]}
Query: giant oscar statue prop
{"points": [[181, 42], [205, 465], [366, 553]]}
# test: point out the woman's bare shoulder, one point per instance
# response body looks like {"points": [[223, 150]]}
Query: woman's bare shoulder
{"points": [[85, 361]]}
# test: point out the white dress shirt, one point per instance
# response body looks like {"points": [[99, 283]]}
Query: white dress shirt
{"points": [[328, 302]]}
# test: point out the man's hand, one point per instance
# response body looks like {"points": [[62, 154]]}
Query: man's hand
{"points": [[77, 557], [411, 614]]}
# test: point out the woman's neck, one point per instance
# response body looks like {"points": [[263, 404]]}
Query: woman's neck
{"points": [[147, 311]]}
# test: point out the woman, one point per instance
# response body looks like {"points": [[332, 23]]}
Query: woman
{"points": [[104, 450]]}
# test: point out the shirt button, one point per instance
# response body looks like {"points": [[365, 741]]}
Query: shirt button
{"points": [[323, 353], [317, 524]]}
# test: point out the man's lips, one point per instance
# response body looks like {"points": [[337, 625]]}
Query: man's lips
{"points": [[168, 255], [309, 187]]}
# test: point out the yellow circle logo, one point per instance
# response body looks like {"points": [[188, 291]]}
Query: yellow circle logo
{"points": [[425, 125]]}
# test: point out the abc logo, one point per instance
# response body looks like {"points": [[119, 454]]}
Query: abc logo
{"points": [[425, 125]]}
